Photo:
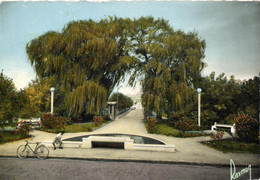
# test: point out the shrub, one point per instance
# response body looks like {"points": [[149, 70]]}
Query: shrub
{"points": [[151, 124], [229, 119], [98, 120], [186, 125], [217, 135], [23, 128], [53, 122], [247, 128]]}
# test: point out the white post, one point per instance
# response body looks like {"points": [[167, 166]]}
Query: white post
{"points": [[199, 90], [199, 110], [52, 99], [117, 110]]}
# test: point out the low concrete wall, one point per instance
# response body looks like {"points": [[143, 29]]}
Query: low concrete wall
{"points": [[127, 142]]}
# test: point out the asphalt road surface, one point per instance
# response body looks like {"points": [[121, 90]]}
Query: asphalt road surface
{"points": [[32, 168]]}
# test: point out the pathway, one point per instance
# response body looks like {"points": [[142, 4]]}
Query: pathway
{"points": [[131, 123], [188, 150]]}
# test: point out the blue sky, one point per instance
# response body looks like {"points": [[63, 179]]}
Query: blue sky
{"points": [[230, 29]]}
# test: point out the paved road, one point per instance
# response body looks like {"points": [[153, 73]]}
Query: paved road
{"points": [[131, 123], [79, 169]]}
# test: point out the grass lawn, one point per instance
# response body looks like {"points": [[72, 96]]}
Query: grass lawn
{"points": [[10, 136], [165, 128], [229, 145], [73, 128], [80, 128]]}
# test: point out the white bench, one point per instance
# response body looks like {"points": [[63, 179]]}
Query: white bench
{"points": [[232, 127]]}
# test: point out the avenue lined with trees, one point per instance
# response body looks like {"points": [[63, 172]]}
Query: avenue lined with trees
{"points": [[88, 59]]}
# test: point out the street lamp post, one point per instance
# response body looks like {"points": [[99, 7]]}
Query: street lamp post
{"points": [[52, 99], [199, 90], [117, 110]]}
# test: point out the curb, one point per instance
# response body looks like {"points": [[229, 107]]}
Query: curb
{"points": [[134, 161]]}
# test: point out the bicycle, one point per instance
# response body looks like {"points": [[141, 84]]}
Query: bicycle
{"points": [[41, 151]]}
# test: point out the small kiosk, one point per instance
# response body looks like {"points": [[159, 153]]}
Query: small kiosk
{"points": [[112, 110]]}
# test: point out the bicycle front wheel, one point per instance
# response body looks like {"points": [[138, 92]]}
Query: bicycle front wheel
{"points": [[42, 152], [22, 151]]}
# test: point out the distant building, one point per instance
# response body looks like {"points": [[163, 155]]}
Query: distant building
{"points": [[135, 97]]}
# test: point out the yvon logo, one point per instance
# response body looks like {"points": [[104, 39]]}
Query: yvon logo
{"points": [[234, 174]]}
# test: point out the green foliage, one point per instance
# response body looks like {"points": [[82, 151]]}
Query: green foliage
{"points": [[166, 128], [10, 136], [219, 97], [186, 125], [53, 122], [228, 145], [23, 128], [221, 100], [250, 97], [36, 98], [247, 128], [87, 59], [123, 100], [172, 67], [8, 99], [80, 128]]}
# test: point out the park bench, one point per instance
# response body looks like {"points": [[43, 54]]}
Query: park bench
{"points": [[230, 127]]}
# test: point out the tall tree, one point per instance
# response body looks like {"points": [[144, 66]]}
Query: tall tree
{"points": [[87, 59], [250, 100], [8, 99], [170, 63], [123, 100]]}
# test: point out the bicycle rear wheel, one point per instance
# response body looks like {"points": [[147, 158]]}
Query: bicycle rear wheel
{"points": [[42, 152], [22, 151]]}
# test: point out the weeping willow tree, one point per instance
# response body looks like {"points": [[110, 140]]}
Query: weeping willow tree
{"points": [[170, 63], [87, 59]]}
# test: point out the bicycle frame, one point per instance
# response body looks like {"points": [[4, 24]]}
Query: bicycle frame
{"points": [[34, 151], [40, 150]]}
